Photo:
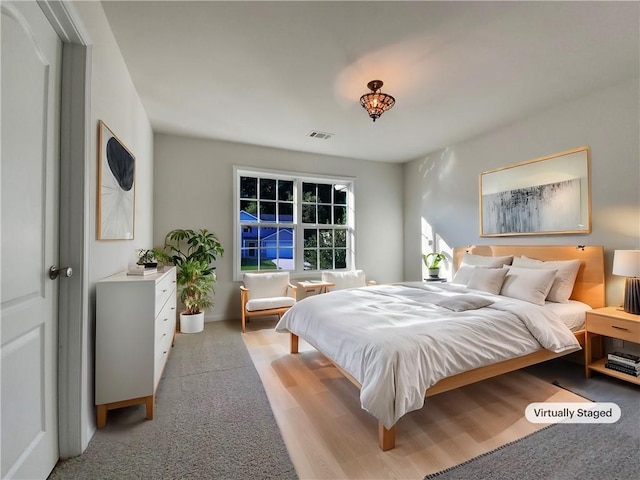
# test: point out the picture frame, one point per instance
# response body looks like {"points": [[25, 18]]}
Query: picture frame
{"points": [[116, 187], [545, 196]]}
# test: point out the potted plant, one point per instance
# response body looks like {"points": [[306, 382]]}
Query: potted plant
{"points": [[195, 293], [193, 252], [148, 258], [432, 261]]}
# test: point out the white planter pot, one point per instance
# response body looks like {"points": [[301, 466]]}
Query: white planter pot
{"points": [[191, 323]]}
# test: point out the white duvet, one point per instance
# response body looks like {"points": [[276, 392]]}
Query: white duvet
{"points": [[396, 343]]}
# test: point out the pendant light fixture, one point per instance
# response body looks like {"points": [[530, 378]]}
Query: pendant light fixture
{"points": [[376, 102]]}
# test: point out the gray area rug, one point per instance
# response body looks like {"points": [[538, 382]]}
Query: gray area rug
{"points": [[212, 420], [568, 451]]}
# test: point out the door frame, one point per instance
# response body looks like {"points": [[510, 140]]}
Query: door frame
{"points": [[73, 298]]}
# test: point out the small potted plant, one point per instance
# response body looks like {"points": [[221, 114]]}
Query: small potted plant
{"points": [[148, 258], [432, 261]]}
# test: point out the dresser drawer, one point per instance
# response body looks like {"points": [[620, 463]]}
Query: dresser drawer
{"points": [[161, 356], [613, 327], [165, 287], [166, 319]]}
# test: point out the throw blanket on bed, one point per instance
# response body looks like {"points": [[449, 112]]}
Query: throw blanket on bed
{"points": [[397, 342]]}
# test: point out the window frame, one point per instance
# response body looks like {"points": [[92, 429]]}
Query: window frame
{"points": [[298, 179]]}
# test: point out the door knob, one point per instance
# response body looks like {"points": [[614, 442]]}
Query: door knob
{"points": [[55, 272]]}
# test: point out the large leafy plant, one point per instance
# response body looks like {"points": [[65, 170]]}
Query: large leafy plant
{"points": [[193, 252], [197, 286]]}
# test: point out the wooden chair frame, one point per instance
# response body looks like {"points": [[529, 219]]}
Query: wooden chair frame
{"points": [[244, 298]]}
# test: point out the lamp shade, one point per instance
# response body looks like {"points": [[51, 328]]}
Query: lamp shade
{"points": [[626, 263]]}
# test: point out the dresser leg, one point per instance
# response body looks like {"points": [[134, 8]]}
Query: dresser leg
{"points": [[101, 416], [150, 403]]}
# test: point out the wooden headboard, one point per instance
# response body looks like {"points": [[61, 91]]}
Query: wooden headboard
{"points": [[589, 286]]}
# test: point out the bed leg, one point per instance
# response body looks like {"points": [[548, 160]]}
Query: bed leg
{"points": [[293, 343], [386, 438]]}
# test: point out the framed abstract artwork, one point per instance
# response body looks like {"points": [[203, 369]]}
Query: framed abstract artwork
{"points": [[545, 196], [116, 187]]}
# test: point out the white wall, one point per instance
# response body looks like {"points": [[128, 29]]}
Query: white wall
{"points": [[442, 187], [193, 184], [115, 101]]}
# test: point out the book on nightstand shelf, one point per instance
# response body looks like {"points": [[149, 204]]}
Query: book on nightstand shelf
{"points": [[624, 362], [625, 358], [622, 368]]}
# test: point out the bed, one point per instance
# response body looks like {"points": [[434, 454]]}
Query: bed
{"points": [[401, 343]]}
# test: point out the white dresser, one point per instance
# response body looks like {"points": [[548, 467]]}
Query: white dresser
{"points": [[135, 329]]}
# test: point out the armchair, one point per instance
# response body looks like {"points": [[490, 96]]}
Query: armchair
{"points": [[349, 279], [268, 293]]}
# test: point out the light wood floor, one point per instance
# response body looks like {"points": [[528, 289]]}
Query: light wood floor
{"points": [[329, 436]]}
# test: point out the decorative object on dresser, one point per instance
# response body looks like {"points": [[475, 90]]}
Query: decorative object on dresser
{"points": [[193, 252], [432, 262], [135, 328], [148, 258], [615, 323], [626, 263]]}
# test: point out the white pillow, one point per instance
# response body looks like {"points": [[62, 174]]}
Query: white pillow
{"points": [[462, 303], [351, 279], [567, 271], [487, 279], [463, 275], [484, 261], [528, 284]]}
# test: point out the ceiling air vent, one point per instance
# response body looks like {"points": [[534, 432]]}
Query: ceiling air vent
{"points": [[320, 135]]}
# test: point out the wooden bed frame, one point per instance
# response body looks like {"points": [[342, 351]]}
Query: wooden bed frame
{"points": [[589, 288]]}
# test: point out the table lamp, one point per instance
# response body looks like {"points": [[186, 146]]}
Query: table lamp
{"points": [[626, 263]]}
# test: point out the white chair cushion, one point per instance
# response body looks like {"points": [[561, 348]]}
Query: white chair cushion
{"points": [[352, 279], [268, 303], [266, 285]]}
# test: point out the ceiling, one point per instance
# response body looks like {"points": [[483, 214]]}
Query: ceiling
{"points": [[268, 73]]}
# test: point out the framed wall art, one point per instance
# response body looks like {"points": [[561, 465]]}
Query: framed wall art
{"points": [[116, 187], [546, 196]]}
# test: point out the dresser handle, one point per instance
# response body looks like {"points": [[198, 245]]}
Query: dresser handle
{"points": [[164, 291], [164, 353], [165, 319], [620, 328]]}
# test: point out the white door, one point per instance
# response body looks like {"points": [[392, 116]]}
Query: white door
{"points": [[30, 79]]}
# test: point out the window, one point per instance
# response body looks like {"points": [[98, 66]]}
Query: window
{"points": [[292, 222]]}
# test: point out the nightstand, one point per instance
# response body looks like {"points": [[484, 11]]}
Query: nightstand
{"points": [[611, 322], [315, 286]]}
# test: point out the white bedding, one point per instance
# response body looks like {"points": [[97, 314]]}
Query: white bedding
{"points": [[396, 343], [571, 313]]}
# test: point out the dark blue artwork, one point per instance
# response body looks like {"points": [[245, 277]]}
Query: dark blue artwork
{"points": [[120, 163]]}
